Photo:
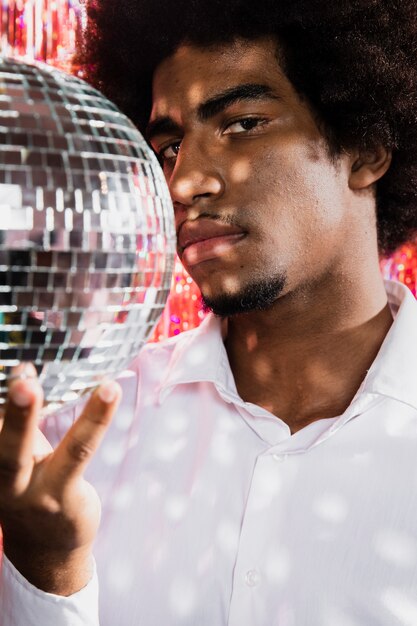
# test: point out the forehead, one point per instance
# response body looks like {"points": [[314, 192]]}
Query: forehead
{"points": [[192, 74]]}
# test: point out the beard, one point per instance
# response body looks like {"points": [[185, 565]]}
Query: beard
{"points": [[258, 296]]}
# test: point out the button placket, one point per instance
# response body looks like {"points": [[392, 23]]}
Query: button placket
{"points": [[251, 584]]}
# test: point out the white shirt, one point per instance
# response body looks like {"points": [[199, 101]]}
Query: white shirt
{"points": [[215, 515]]}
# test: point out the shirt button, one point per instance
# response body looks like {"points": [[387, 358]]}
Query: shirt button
{"points": [[252, 578], [279, 458]]}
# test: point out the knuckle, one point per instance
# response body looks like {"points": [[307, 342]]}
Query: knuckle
{"points": [[9, 468], [79, 450], [96, 418], [47, 504]]}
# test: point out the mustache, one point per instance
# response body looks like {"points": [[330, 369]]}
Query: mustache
{"points": [[219, 218]]}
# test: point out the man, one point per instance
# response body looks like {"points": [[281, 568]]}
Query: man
{"points": [[270, 476]]}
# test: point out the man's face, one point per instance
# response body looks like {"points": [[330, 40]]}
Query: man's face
{"points": [[261, 210]]}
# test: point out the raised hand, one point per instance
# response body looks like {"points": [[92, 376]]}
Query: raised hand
{"points": [[48, 513]]}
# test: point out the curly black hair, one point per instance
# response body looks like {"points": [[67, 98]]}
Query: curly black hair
{"points": [[355, 62]]}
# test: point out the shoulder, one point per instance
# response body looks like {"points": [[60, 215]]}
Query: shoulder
{"points": [[156, 357]]}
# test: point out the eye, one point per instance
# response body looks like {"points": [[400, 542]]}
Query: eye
{"points": [[169, 152], [245, 125]]}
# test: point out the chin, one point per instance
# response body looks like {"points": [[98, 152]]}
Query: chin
{"points": [[258, 296]]}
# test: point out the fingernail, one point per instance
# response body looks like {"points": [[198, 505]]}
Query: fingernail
{"points": [[108, 391], [23, 370], [20, 394], [29, 370]]}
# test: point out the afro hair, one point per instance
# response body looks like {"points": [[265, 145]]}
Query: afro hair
{"points": [[355, 62]]}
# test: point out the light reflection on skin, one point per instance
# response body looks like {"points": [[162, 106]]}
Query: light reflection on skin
{"points": [[240, 171]]}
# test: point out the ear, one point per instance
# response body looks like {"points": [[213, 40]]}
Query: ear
{"points": [[368, 167]]}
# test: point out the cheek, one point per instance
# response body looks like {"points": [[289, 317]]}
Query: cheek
{"points": [[295, 206], [298, 188]]}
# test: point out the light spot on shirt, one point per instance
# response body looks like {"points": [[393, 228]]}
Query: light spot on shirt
{"points": [[196, 357], [112, 452], [227, 536], [331, 507], [120, 576], [396, 548], [168, 449], [401, 606], [401, 425], [177, 423], [124, 420], [175, 507], [268, 484], [123, 497], [333, 616], [182, 597], [277, 566], [222, 449]]}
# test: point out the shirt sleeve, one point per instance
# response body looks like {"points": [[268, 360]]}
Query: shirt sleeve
{"points": [[22, 604]]}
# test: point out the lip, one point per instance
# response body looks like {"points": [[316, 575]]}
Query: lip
{"points": [[205, 239]]}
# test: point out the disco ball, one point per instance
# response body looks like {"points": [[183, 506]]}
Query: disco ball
{"points": [[87, 236]]}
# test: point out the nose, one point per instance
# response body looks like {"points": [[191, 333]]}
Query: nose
{"points": [[196, 177]]}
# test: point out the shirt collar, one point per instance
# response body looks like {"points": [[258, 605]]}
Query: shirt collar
{"points": [[394, 371], [200, 356]]}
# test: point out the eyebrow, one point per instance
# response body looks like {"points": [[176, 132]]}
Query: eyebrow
{"points": [[213, 106]]}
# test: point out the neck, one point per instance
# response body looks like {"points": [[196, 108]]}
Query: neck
{"points": [[304, 358]]}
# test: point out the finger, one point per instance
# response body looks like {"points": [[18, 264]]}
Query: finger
{"points": [[79, 444], [20, 372], [24, 402], [23, 370]]}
